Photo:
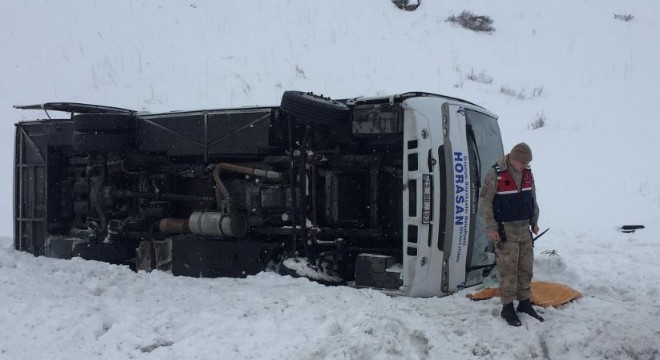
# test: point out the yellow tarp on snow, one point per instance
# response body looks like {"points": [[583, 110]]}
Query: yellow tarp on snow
{"points": [[543, 294]]}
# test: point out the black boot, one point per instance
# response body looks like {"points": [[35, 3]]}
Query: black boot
{"points": [[509, 315], [526, 307]]}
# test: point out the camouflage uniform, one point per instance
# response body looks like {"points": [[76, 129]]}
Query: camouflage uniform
{"points": [[515, 257]]}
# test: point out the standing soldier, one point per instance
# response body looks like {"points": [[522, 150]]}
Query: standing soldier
{"points": [[509, 210]]}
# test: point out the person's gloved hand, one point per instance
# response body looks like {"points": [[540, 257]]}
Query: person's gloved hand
{"points": [[535, 229]]}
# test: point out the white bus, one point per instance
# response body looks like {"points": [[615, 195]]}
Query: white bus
{"points": [[375, 192]]}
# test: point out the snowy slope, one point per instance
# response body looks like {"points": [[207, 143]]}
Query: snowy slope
{"points": [[594, 161]]}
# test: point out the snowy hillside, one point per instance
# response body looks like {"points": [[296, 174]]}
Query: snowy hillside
{"points": [[591, 77]]}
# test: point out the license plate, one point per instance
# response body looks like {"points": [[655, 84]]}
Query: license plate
{"points": [[426, 198]]}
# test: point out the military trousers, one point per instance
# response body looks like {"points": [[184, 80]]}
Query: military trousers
{"points": [[515, 262]]}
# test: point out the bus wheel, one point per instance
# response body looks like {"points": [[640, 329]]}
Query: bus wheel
{"points": [[309, 108]]}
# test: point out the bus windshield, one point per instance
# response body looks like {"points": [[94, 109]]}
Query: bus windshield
{"points": [[486, 147]]}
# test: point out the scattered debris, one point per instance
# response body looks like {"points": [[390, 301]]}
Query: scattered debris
{"points": [[408, 5], [624, 17], [468, 20], [538, 123], [630, 228]]}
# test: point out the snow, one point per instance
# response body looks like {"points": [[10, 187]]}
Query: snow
{"points": [[301, 267], [592, 77]]}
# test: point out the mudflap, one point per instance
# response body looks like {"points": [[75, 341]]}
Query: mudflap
{"points": [[219, 257], [378, 271], [162, 251], [120, 252], [61, 247]]}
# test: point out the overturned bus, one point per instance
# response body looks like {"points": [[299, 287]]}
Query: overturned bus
{"points": [[375, 192]]}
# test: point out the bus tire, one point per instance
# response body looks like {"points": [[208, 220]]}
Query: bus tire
{"points": [[309, 108]]}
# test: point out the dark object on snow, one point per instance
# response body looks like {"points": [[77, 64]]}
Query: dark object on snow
{"points": [[631, 228], [510, 315], [539, 235], [525, 306], [626, 17], [470, 21], [408, 5]]}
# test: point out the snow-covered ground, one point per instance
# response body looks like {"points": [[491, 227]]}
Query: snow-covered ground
{"points": [[592, 77]]}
